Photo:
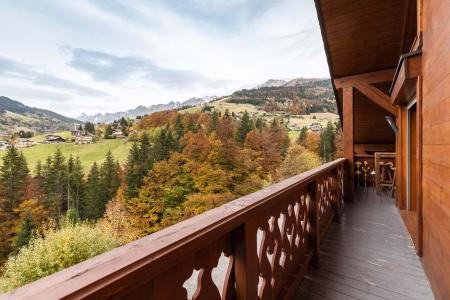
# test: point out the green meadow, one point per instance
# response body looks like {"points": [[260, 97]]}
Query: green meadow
{"points": [[88, 153]]}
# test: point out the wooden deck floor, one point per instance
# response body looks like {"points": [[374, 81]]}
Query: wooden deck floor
{"points": [[369, 255]]}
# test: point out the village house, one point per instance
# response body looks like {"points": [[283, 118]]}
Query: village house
{"points": [[118, 134], [54, 139], [76, 133], [85, 139], [23, 143]]}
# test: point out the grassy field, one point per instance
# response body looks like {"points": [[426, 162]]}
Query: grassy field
{"points": [[300, 121], [88, 153], [321, 118]]}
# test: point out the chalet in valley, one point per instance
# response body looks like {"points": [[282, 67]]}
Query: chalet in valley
{"points": [[85, 139], [54, 139]]}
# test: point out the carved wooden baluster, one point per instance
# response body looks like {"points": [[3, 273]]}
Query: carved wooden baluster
{"points": [[169, 285], [264, 268], [205, 261], [246, 260]]}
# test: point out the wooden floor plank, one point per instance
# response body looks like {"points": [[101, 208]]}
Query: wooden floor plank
{"points": [[368, 255]]}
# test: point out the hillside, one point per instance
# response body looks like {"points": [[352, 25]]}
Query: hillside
{"points": [[16, 116], [297, 96]]}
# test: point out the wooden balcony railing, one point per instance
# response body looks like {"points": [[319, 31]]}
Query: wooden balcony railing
{"points": [[264, 242]]}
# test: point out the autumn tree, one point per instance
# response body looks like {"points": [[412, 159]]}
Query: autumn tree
{"points": [[298, 160]]}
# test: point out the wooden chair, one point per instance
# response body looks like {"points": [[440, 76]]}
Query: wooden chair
{"points": [[394, 178], [386, 180], [383, 176]]}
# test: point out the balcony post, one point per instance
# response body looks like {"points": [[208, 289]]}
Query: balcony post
{"points": [[349, 182], [246, 260], [313, 216], [336, 196]]}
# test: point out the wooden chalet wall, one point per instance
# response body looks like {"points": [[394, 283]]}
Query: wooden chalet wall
{"points": [[436, 144]]}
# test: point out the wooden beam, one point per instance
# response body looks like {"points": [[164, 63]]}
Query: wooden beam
{"points": [[364, 78], [349, 184], [378, 97]]}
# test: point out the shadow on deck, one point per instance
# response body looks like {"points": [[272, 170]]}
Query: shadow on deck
{"points": [[369, 255]]}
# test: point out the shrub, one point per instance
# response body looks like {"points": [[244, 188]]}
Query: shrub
{"points": [[58, 249]]}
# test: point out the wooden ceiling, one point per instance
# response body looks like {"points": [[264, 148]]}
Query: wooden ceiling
{"points": [[363, 36]]}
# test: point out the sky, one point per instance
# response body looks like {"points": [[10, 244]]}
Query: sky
{"points": [[97, 56]]}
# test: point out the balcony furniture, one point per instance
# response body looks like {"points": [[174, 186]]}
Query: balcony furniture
{"points": [[382, 172]]}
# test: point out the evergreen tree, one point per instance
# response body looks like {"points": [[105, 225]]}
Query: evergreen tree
{"points": [[13, 179], [89, 127], [191, 125], [227, 114], [164, 145], [13, 182], [244, 127], [25, 232], [77, 186], [133, 176], [327, 146], [301, 140], [59, 176], [259, 124], [109, 177], [108, 132], [179, 128], [214, 119], [92, 206]]}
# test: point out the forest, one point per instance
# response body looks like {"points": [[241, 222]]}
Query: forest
{"points": [[179, 166]]}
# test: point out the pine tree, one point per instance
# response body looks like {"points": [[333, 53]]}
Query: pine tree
{"points": [[244, 127], [133, 176], [59, 176], [327, 147], [109, 178], [213, 123], [179, 128], [89, 127], [77, 186], [92, 205], [301, 140], [145, 154], [108, 132], [13, 179]]}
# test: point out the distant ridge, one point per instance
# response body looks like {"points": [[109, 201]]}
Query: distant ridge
{"points": [[143, 110], [15, 116], [288, 82]]}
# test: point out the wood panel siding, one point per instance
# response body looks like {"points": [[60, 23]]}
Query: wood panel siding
{"points": [[436, 144]]}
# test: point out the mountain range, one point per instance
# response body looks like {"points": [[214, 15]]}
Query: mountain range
{"points": [[16, 116], [288, 82], [143, 110]]}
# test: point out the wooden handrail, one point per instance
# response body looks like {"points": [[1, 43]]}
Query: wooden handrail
{"points": [[158, 265]]}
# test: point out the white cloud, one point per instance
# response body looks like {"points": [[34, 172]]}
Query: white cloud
{"points": [[156, 51]]}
